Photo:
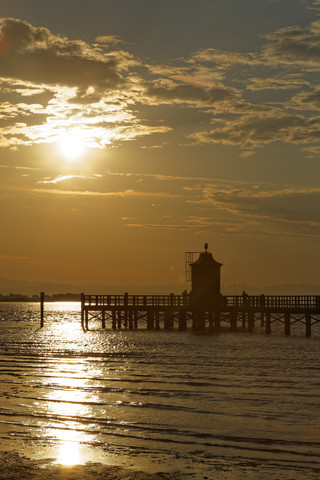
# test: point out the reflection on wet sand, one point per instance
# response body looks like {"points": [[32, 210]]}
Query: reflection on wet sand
{"points": [[67, 403], [68, 453], [14, 466]]}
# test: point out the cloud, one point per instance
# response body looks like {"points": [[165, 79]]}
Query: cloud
{"points": [[274, 83], [315, 5], [109, 39], [312, 151], [84, 89], [308, 100], [62, 178], [214, 205], [197, 226], [9, 110], [260, 130], [230, 207], [289, 205], [225, 58], [106, 95], [12, 257], [90, 193], [294, 46], [17, 167], [35, 54], [192, 94]]}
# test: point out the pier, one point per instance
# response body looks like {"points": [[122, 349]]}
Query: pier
{"points": [[204, 309], [181, 312]]}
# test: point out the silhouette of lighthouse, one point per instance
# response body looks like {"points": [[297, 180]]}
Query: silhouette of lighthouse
{"points": [[205, 280]]}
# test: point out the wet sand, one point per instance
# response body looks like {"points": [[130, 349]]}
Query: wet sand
{"points": [[16, 467]]}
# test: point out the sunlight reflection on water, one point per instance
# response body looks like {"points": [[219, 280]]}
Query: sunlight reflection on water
{"points": [[69, 454], [69, 403], [68, 451]]}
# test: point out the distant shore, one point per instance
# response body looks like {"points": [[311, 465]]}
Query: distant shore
{"points": [[59, 297]]}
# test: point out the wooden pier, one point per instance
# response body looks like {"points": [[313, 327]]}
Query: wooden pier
{"points": [[181, 312]]}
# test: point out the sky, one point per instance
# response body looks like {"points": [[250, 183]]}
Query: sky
{"points": [[132, 131]]}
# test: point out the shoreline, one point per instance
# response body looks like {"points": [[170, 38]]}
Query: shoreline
{"points": [[14, 466]]}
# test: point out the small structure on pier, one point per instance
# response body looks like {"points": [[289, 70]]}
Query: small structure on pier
{"points": [[205, 281], [204, 309]]}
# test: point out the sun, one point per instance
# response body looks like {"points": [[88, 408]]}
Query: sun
{"points": [[71, 147]]}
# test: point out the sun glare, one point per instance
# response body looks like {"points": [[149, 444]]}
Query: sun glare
{"points": [[71, 147]]}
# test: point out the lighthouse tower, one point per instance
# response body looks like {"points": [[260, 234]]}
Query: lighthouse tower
{"points": [[205, 280]]}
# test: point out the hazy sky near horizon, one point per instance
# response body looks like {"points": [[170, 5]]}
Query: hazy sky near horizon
{"points": [[132, 131]]}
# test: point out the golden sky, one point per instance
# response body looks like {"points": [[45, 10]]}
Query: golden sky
{"points": [[132, 131]]}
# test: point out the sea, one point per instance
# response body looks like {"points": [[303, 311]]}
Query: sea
{"points": [[232, 406]]}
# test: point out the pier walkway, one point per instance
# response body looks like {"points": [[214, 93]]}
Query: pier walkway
{"points": [[235, 312]]}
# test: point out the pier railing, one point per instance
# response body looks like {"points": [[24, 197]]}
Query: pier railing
{"points": [[292, 302], [136, 300], [274, 301]]}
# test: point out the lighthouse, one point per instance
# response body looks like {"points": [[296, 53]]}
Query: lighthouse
{"points": [[205, 280]]}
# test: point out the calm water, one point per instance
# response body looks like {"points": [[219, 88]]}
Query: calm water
{"points": [[232, 406]]}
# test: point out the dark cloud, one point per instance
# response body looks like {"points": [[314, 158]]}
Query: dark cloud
{"points": [[275, 83], [221, 57], [309, 99], [36, 55], [20, 36], [294, 45], [253, 130], [47, 67], [191, 94]]}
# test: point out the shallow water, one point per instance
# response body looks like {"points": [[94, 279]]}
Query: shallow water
{"points": [[228, 406]]}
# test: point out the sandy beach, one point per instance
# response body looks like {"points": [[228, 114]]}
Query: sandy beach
{"points": [[16, 467]]}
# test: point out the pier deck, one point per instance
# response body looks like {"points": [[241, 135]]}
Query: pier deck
{"points": [[178, 311]]}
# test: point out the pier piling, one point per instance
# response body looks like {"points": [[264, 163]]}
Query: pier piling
{"points": [[233, 321], [250, 321], [287, 327], [308, 325], [268, 323], [41, 309]]}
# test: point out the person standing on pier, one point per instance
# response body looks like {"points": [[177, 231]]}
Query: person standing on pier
{"points": [[245, 298]]}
